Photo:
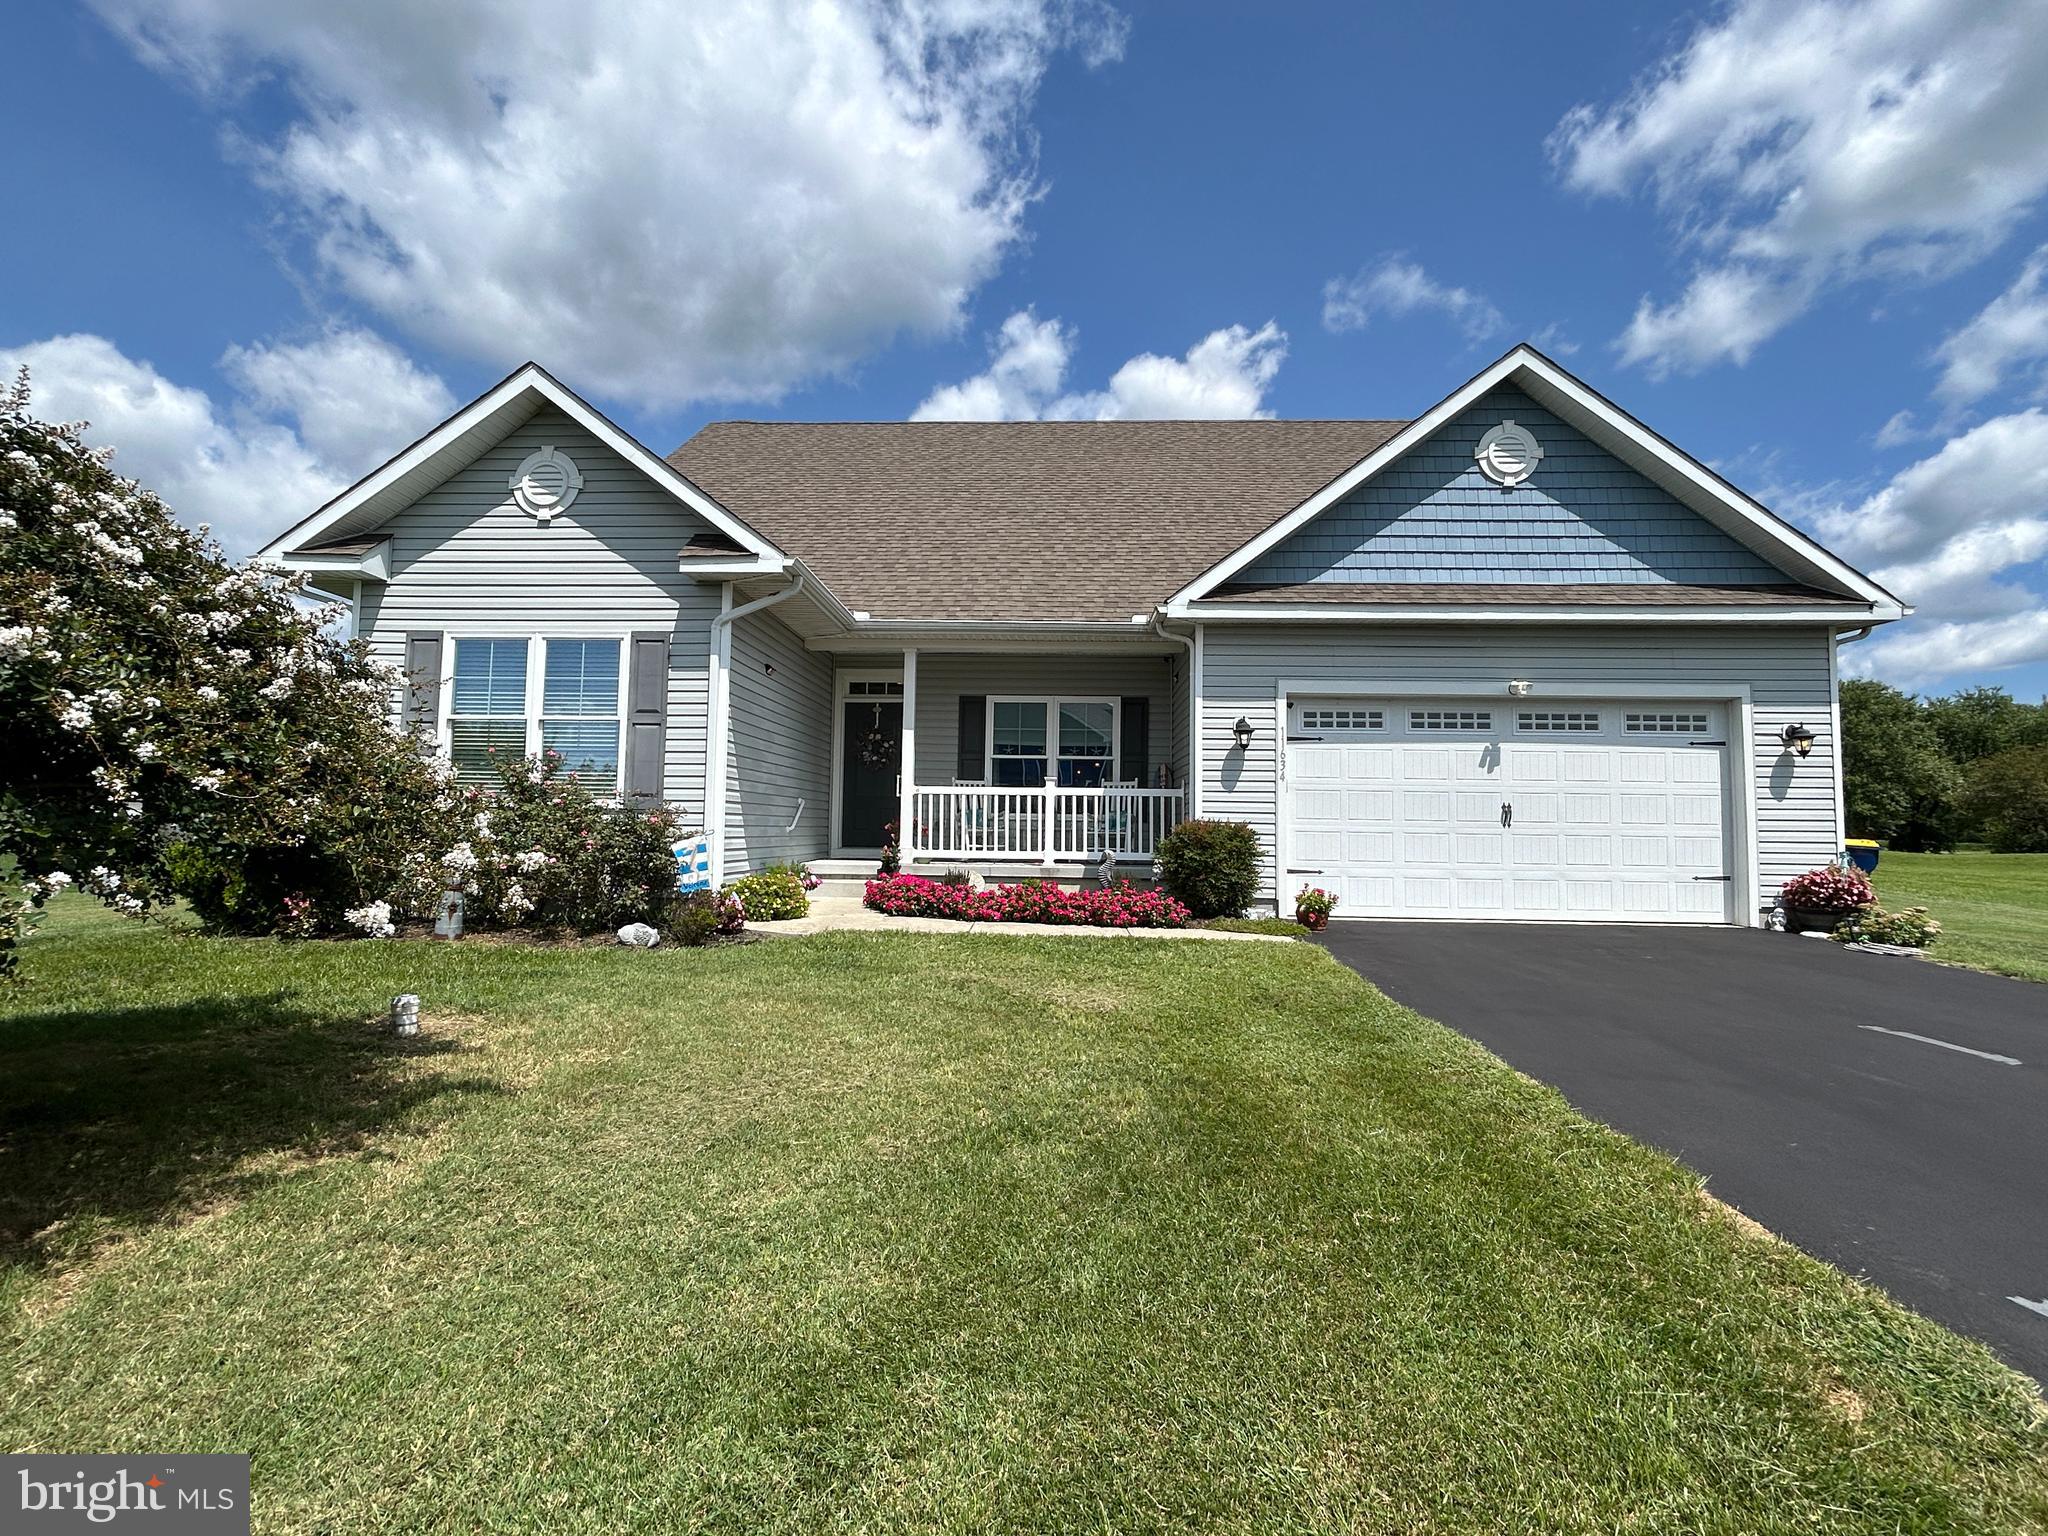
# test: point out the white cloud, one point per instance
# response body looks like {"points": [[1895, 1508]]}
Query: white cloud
{"points": [[356, 398], [1800, 143], [308, 420], [1726, 312], [1920, 655], [1993, 475], [1397, 287], [2011, 331], [1223, 376], [664, 201], [1961, 535]]}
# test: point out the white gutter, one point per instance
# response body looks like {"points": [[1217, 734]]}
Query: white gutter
{"points": [[717, 747]]}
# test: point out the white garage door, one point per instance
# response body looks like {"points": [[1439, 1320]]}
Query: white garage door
{"points": [[1531, 812]]}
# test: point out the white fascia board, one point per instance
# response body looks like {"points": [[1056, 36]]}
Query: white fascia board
{"points": [[529, 380], [1567, 397], [1534, 613]]}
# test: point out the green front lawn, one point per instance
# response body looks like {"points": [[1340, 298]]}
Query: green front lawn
{"points": [[882, 1232], [1993, 907]]}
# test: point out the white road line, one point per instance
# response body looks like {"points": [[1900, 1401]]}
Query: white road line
{"points": [[1907, 1034], [2032, 1306]]}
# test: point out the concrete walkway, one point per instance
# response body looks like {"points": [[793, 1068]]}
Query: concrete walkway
{"points": [[843, 914]]}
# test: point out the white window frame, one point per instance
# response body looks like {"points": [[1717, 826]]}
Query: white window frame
{"points": [[1053, 703], [536, 685]]}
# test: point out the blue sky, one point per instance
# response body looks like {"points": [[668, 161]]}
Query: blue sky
{"points": [[262, 243]]}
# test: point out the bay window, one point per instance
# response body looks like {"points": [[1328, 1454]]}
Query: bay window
{"points": [[519, 696]]}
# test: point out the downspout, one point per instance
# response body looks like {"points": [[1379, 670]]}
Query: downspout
{"points": [[1835, 643], [1194, 786], [716, 742]]}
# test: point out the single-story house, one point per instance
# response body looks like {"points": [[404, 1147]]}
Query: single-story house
{"points": [[1518, 658]]}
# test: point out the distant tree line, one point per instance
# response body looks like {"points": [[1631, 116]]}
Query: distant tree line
{"points": [[1927, 774]]}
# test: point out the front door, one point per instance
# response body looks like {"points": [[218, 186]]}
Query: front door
{"points": [[871, 755]]}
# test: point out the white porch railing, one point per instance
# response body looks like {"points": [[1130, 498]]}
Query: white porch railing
{"points": [[1049, 824]]}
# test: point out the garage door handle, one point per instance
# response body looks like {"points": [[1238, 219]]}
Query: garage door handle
{"points": [[1722, 878], [1507, 814]]}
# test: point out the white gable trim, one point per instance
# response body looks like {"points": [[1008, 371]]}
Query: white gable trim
{"points": [[525, 387], [1692, 482]]}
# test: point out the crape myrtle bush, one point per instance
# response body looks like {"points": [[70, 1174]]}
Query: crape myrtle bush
{"points": [[1122, 905], [173, 716], [182, 725], [542, 849], [1212, 866]]}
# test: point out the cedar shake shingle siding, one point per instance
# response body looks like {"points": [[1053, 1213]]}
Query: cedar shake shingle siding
{"points": [[1583, 518]]}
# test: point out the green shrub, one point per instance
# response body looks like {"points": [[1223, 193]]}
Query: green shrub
{"points": [[1912, 928], [690, 920], [1211, 866], [773, 895]]}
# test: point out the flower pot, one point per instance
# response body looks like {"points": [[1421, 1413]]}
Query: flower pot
{"points": [[1315, 922], [1810, 920]]}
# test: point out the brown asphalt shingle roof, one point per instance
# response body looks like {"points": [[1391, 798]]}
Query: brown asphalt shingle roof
{"points": [[1017, 520]]}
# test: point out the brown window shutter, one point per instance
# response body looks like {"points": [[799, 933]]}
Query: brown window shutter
{"points": [[646, 716], [970, 758], [423, 682]]}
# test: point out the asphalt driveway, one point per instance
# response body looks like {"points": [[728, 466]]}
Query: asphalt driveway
{"points": [[1786, 1070]]}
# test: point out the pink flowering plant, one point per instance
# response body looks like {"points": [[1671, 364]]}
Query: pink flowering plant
{"points": [[1314, 901], [1122, 905], [1827, 889]]}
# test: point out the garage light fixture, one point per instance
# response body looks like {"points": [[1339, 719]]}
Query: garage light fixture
{"points": [[1799, 738], [1519, 687], [1241, 734]]}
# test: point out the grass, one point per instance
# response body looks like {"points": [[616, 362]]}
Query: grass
{"points": [[1993, 907], [889, 1232], [1284, 927]]}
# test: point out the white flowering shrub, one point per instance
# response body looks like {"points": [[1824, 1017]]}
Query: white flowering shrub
{"points": [[179, 724], [541, 850]]}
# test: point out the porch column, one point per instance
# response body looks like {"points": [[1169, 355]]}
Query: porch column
{"points": [[906, 778]]}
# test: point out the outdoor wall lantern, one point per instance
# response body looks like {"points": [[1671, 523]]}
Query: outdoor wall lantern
{"points": [[1241, 733], [1799, 738]]}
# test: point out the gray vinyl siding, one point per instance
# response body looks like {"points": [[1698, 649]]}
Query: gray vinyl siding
{"points": [[943, 677], [1584, 516], [1786, 669], [779, 778], [465, 559]]}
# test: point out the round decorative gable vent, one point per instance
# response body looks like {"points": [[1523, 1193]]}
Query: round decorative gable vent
{"points": [[546, 481], [1508, 454]]}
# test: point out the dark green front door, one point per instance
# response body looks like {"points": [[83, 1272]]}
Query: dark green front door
{"points": [[871, 751]]}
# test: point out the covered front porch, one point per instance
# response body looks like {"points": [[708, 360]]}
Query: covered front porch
{"points": [[1040, 760]]}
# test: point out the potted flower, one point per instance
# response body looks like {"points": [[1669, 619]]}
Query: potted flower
{"points": [[1818, 900], [1313, 906]]}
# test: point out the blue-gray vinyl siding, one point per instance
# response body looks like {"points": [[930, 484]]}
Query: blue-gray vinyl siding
{"points": [[1584, 516], [778, 780], [466, 560], [1786, 669]]}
